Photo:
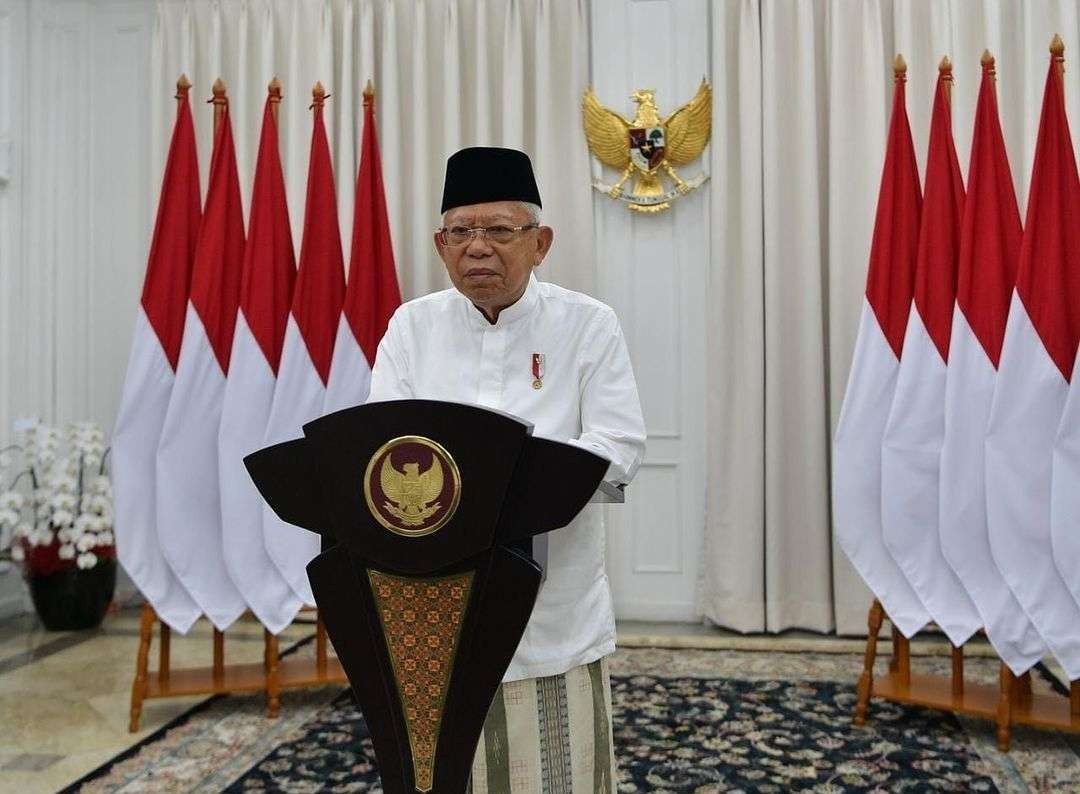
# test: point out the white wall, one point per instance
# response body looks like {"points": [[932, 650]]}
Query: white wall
{"points": [[74, 214], [12, 341]]}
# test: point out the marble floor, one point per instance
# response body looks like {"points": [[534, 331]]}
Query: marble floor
{"points": [[65, 697]]}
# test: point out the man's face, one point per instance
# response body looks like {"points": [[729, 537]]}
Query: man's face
{"points": [[493, 275]]}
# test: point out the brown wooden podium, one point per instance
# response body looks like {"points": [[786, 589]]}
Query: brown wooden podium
{"points": [[426, 580]]}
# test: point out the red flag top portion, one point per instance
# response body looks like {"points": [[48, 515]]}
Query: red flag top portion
{"points": [[269, 272], [990, 234], [372, 294], [939, 236], [215, 278], [893, 252], [320, 280], [172, 248], [1048, 277]]}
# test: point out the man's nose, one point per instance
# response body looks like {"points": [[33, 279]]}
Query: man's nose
{"points": [[479, 247]]}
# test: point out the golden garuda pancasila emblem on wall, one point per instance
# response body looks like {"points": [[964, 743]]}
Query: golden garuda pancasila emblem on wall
{"points": [[649, 146]]}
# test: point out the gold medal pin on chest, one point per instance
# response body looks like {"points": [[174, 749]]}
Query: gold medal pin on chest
{"points": [[538, 370]]}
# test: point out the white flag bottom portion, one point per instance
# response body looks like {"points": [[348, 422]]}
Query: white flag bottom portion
{"points": [[1028, 400], [298, 398], [910, 472], [857, 475], [350, 373], [249, 393], [145, 400], [965, 542], [1065, 490], [189, 502]]}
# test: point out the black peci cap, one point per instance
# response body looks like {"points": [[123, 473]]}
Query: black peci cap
{"points": [[481, 174]]}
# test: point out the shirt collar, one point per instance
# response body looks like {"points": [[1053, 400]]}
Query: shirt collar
{"points": [[522, 307]]}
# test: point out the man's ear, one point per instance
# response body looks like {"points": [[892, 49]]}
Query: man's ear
{"points": [[437, 240], [543, 242]]}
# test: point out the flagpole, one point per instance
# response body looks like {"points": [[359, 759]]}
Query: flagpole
{"points": [[275, 97], [271, 653], [183, 85], [957, 652], [987, 61], [1057, 52], [899, 69], [318, 95], [945, 70], [219, 101]]}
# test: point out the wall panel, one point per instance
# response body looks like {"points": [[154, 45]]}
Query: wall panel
{"points": [[14, 347], [652, 271], [74, 219]]}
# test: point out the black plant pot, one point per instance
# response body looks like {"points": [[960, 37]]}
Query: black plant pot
{"points": [[76, 599]]}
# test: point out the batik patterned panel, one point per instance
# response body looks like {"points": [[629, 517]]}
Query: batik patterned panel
{"points": [[421, 621]]}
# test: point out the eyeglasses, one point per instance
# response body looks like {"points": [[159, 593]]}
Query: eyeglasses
{"points": [[460, 235]]}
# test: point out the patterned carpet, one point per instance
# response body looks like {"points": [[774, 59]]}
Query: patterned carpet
{"points": [[685, 721]]}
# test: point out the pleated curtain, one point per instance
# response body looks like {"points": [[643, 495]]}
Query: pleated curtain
{"points": [[447, 74], [803, 93]]}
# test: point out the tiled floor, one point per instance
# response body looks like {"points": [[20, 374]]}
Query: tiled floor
{"points": [[65, 697]]}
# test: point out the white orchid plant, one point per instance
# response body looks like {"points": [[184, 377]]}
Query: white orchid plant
{"points": [[56, 510]]}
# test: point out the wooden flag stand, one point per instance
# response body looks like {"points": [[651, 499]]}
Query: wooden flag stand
{"points": [[271, 676], [1009, 703]]}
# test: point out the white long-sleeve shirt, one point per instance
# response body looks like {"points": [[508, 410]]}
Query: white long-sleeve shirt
{"points": [[441, 347]]}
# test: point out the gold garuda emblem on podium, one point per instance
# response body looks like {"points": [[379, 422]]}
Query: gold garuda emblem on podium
{"points": [[412, 486], [649, 147]]}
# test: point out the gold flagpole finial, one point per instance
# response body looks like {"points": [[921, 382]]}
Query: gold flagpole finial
{"points": [[274, 92], [899, 67], [219, 101], [1057, 52], [318, 95], [182, 86], [989, 64], [945, 71], [369, 94]]}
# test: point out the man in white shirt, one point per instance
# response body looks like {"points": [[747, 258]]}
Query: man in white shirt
{"points": [[557, 359]]}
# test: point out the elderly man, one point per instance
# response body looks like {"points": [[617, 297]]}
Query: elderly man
{"points": [[556, 358]]}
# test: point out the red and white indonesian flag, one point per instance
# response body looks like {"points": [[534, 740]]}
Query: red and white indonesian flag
{"points": [[189, 506], [1059, 242], [155, 350], [1033, 382], [266, 287], [308, 350], [371, 295], [989, 252], [872, 382], [911, 448]]}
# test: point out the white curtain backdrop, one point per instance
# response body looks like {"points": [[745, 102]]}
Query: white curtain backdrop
{"points": [[447, 74], [803, 93]]}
